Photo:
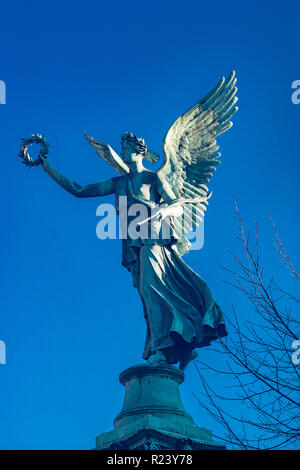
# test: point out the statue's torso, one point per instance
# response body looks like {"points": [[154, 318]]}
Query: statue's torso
{"points": [[142, 185], [139, 189]]}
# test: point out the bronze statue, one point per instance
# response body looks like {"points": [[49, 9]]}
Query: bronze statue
{"points": [[179, 309]]}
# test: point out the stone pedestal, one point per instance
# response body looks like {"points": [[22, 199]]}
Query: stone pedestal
{"points": [[153, 415]]}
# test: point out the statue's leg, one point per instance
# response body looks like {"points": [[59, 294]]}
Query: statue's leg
{"points": [[157, 357], [179, 308], [158, 319], [190, 355]]}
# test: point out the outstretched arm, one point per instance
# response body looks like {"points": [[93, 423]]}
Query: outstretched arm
{"points": [[90, 190]]}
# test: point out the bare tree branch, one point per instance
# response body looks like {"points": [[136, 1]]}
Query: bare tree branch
{"points": [[257, 368]]}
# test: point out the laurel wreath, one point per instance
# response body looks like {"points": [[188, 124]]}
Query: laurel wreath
{"points": [[33, 139]]}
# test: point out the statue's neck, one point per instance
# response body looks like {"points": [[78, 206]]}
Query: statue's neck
{"points": [[136, 168]]}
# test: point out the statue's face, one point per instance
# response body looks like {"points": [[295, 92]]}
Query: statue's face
{"points": [[130, 152]]}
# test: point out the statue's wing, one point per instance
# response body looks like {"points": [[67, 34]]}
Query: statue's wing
{"points": [[190, 149], [109, 155]]}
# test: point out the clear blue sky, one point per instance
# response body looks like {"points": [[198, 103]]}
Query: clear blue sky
{"points": [[69, 316]]}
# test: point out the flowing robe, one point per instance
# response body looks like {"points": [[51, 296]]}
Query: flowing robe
{"points": [[179, 309]]}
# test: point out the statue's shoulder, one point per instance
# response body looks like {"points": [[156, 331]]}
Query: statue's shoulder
{"points": [[120, 183], [149, 176]]}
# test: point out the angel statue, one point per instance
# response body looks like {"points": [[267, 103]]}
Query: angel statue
{"points": [[180, 312]]}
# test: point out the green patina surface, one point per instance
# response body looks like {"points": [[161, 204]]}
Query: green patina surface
{"points": [[180, 312]]}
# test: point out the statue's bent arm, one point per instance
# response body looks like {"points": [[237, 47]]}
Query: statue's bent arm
{"points": [[165, 190], [91, 190]]}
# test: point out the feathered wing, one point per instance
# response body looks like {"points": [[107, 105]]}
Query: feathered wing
{"points": [[190, 148], [109, 155]]}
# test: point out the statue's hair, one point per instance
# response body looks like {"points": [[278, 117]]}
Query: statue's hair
{"points": [[139, 142], [141, 146]]}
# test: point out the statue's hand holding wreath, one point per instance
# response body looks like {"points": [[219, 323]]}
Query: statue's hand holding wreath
{"points": [[44, 151]]}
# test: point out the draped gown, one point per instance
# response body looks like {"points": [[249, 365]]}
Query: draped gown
{"points": [[179, 309]]}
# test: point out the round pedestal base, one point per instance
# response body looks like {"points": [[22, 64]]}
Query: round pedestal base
{"points": [[152, 390], [153, 416]]}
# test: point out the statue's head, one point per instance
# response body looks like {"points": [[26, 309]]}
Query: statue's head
{"points": [[134, 148]]}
